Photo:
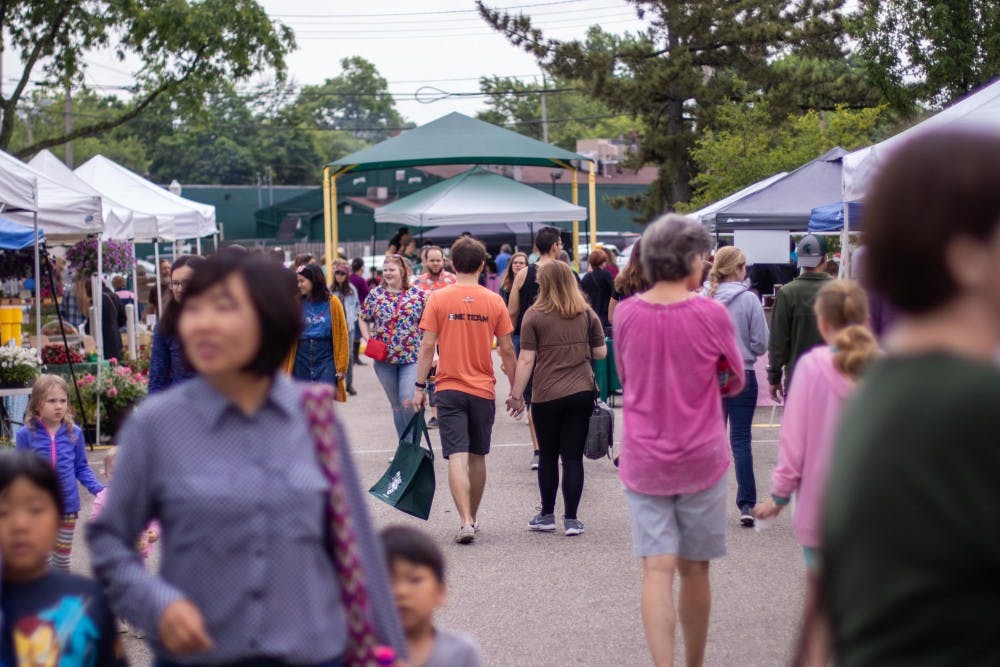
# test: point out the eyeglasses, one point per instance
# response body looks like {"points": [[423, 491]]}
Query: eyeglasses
{"points": [[177, 284], [340, 273]]}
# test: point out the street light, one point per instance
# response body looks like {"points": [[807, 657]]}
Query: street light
{"points": [[555, 175]]}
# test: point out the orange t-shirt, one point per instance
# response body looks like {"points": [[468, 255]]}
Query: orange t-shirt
{"points": [[466, 319]]}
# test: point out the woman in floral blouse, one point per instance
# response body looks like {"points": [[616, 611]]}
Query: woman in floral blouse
{"points": [[391, 314]]}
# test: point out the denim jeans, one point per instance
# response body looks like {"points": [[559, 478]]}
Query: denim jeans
{"points": [[739, 412], [350, 359], [398, 381]]}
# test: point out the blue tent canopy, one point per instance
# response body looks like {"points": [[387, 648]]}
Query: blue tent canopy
{"points": [[14, 236], [830, 218]]}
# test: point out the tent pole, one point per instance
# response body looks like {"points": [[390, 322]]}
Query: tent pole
{"points": [[159, 287], [327, 241], [198, 245], [845, 244], [38, 288], [592, 184], [334, 240], [576, 223], [97, 291]]}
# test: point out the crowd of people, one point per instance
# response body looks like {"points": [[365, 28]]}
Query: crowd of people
{"points": [[268, 553]]}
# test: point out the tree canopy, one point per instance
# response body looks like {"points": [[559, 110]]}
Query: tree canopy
{"points": [[930, 53], [695, 57], [183, 47]]}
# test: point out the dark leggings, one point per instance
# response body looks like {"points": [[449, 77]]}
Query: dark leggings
{"points": [[561, 427]]}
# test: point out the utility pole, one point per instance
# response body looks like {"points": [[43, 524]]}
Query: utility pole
{"points": [[69, 121], [545, 116]]}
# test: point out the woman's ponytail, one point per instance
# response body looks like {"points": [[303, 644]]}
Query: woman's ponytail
{"points": [[843, 305], [727, 262]]}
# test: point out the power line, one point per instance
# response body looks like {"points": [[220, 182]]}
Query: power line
{"points": [[567, 14], [428, 13], [446, 31], [348, 34]]}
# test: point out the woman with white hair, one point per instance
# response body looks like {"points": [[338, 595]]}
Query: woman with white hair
{"points": [[674, 452]]}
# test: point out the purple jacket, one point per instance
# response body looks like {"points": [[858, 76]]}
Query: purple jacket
{"points": [[66, 450]]}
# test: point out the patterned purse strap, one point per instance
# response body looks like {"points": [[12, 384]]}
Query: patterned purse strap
{"points": [[318, 406]]}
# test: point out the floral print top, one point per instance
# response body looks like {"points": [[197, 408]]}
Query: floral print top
{"points": [[379, 310]]}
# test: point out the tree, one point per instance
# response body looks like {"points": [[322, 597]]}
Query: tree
{"points": [[572, 113], [745, 146], [930, 53], [357, 100], [183, 47], [694, 57]]}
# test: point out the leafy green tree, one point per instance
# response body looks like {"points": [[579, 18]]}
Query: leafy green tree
{"points": [[572, 113], [183, 47], [673, 76], [357, 100], [745, 146], [930, 53]]}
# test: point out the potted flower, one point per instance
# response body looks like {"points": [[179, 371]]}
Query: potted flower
{"points": [[19, 366], [119, 390], [58, 355]]}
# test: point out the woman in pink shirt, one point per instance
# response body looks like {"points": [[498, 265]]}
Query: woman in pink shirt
{"points": [[824, 377], [675, 349]]}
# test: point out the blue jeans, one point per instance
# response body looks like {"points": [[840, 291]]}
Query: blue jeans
{"points": [[350, 360], [398, 383], [739, 411]]}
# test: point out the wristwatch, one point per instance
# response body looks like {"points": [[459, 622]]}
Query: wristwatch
{"points": [[420, 385]]}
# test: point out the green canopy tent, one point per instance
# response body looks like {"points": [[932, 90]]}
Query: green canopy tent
{"points": [[453, 139]]}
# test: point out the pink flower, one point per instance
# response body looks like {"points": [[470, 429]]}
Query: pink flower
{"points": [[113, 361], [112, 392]]}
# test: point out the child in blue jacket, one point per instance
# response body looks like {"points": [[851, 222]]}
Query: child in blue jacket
{"points": [[49, 431]]}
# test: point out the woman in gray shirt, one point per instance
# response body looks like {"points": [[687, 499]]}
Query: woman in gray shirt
{"points": [[227, 464]]}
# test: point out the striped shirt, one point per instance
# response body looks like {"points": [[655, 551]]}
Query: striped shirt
{"points": [[241, 503]]}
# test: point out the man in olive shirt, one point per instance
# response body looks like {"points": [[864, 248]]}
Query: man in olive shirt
{"points": [[793, 323]]}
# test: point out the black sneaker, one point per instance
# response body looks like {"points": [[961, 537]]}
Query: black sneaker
{"points": [[352, 391], [534, 461], [746, 516], [433, 423]]}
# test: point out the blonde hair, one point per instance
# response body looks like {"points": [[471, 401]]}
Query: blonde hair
{"points": [[43, 385], [843, 305], [80, 291], [728, 261], [558, 291]]}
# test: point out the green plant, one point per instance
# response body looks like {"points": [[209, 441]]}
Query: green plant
{"points": [[119, 388]]}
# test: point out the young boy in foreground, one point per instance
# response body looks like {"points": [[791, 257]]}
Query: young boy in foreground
{"points": [[416, 567]]}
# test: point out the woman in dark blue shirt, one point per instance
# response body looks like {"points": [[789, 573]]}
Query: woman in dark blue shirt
{"points": [[323, 350], [167, 365]]}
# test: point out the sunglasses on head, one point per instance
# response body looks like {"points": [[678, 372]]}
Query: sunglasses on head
{"points": [[340, 272]]}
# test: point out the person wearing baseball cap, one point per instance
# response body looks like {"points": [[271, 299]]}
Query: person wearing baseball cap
{"points": [[793, 323]]}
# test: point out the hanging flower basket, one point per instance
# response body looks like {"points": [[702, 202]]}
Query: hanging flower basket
{"points": [[117, 257]]}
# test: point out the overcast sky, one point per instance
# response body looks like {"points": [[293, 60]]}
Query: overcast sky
{"points": [[425, 50]]}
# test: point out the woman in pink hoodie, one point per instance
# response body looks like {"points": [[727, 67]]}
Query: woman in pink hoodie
{"points": [[824, 378]]}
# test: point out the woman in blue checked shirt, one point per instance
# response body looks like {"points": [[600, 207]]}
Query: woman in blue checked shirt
{"points": [[246, 577]]}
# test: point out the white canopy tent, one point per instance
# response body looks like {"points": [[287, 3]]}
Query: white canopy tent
{"points": [[981, 109], [19, 193], [119, 220], [478, 196], [64, 213], [186, 219]]}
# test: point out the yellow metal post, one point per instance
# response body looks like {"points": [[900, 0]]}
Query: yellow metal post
{"points": [[334, 235], [327, 217], [592, 182], [576, 223]]}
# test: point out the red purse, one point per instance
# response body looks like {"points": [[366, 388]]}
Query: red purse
{"points": [[377, 349]]}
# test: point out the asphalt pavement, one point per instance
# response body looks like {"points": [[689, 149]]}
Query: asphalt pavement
{"points": [[547, 599]]}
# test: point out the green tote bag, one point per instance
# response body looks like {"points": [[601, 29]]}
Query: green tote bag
{"points": [[408, 484]]}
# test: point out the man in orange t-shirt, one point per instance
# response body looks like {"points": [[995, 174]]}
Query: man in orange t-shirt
{"points": [[462, 320]]}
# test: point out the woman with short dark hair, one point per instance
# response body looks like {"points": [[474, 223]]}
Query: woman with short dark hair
{"points": [[323, 352], [251, 571], [167, 366]]}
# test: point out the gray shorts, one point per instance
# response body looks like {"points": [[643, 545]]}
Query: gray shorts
{"points": [[692, 525], [465, 422]]}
